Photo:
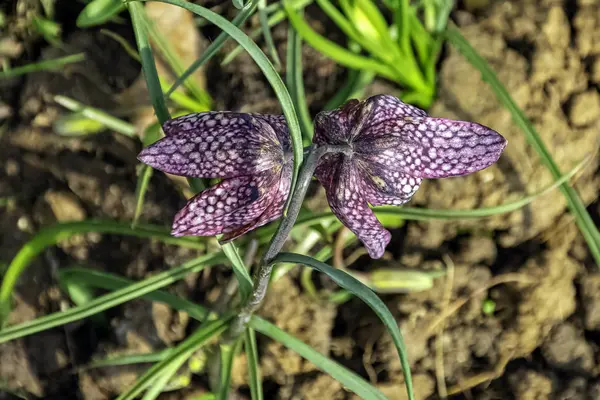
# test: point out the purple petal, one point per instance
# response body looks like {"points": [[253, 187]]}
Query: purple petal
{"points": [[335, 127], [215, 145], [227, 206], [273, 211], [345, 197], [385, 186], [425, 147], [279, 124]]}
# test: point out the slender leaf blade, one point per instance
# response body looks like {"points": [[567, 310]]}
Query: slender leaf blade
{"points": [[254, 377], [576, 205], [362, 291]]}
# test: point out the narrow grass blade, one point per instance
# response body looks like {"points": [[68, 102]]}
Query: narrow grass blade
{"points": [[254, 377], [99, 11], [264, 24], [348, 378], [240, 270], [274, 19], [582, 217], [177, 356], [268, 70], [104, 280], [144, 175], [295, 83], [161, 382], [227, 355], [110, 300], [360, 290], [148, 66], [213, 48], [47, 65], [145, 172], [239, 4], [76, 125], [172, 58], [127, 359], [51, 235], [333, 50], [95, 114]]}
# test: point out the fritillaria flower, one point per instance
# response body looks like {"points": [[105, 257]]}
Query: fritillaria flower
{"points": [[393, 146], [251, 153]]}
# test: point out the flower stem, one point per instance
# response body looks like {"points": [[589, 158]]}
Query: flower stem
{"points": [[265, 267]]}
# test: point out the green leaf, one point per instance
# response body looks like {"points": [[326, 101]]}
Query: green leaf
{"points": [[240, 270], [334, 51], [264, 24], [107, 120], [110, 300], [163, 379], [127, 359], [99, 11], [144, 175], [107, 281], [47, 65], [51, 235], [177, 356], [351, 284], [582, 217], [239, 4], [227, 355], [173, 59], [254, 377], [148, 66], [295, 83], [76, 125], [212, 49], [268, 70], [274, 19], [348, 378]]}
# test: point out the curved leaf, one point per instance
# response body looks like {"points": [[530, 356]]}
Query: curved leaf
{"points": [[98, 12], [362, 291], [110, 300], [51, 235]]}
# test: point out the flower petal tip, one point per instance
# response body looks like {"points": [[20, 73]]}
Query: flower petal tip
{"points": [[377, 244]]}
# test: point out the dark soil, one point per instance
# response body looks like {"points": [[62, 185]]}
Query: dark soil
{"points": [[541, 341]]}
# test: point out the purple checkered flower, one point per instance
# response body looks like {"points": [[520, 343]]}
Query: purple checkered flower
{"points": [[250, 152], [393, 147]]}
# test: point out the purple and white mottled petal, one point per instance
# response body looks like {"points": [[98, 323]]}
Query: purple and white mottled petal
{"points": [[385, 107], [335, 127], [273, 212], [215, 145], [432, 147], [279, 124], [385, 186], [346, 200], [225, 207]]}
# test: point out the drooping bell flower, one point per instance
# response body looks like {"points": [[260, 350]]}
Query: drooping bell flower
{"points": [[393, 147], [250, 152]]}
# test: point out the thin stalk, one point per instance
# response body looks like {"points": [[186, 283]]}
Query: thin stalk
{"points": [[262, 275]]}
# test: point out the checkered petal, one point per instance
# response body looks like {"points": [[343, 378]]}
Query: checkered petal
{"points": [[426, 147], [273, 212], [385, 186], [226, 207], [346, 198], [216, 145], [334, 127]]}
